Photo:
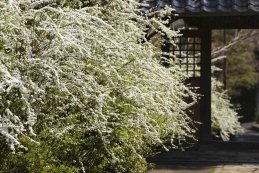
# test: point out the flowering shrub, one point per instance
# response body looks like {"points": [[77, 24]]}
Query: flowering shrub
{"points": [[223, 116], [88, 84], [225, 121]]}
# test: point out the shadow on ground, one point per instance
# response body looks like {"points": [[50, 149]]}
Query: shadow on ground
{"points": [[241, 155], [183, 168]]}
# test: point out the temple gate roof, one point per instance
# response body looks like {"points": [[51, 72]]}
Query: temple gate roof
{"points": [[207, 7]]}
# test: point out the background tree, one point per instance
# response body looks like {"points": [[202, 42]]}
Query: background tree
{"points": [[241, 69]]}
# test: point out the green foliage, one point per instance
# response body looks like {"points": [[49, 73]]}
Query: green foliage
{"points": [[242, 78], [39, 158], [241, 70], [78, 150]]}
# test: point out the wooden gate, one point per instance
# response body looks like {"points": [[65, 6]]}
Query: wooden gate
{"points": [[188, 56]]}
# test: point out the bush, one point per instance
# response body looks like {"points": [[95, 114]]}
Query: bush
{"points": [[83, 89], [223, 116]]}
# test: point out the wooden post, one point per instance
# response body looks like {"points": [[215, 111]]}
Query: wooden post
{"points": [[206, 85]]}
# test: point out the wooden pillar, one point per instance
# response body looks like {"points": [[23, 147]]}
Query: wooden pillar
{"points": [[206, 85]]}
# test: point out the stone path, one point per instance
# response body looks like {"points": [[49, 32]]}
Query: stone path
{"points": [[250, 134], [208, 159], [237, 168], [213, 155], [208, 168]]}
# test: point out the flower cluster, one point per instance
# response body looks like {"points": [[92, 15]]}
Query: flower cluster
{"points": [[89, 74]]}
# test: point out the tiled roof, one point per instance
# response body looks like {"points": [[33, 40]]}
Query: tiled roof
{"points": [[210, 6]]}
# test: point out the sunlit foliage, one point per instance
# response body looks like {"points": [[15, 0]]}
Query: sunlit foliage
{"points": [[225, 121]]}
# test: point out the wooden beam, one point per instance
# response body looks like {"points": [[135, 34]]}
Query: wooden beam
{"points": [[206, 85]]}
